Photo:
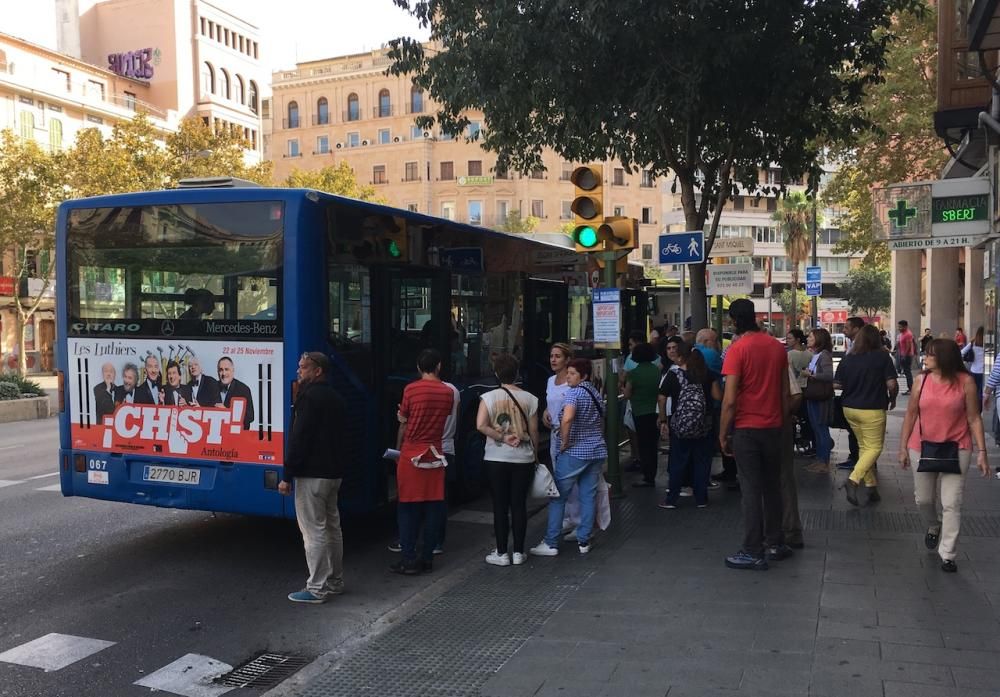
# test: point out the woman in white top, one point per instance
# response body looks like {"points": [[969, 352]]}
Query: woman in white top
{"points": [[555, 390], [974, 356], [508, 417]]}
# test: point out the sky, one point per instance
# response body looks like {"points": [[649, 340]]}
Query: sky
{"points": [[291, 30]]}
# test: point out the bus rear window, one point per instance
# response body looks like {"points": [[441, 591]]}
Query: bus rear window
{"points": [[211, 269]]}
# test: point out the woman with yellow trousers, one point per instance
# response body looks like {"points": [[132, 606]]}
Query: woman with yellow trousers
{"points": [[867, 378]]}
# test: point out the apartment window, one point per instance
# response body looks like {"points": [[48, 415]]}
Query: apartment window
{"points": [[647, 179], [618, 177], [252, 97], [619, 210], [211, 30], [253, 138], [384, 136], [538, 173], [27, 123], [475, 212], [255, 50], [62, 79], [322, 111], [353, 107], [755, 202], [226, 40], [448, 210], [473, 129], [411, 173], [445, 135], [738, 203], [204, 26], [565, 212], [416, 133], [503, 211], [647, 215], [413, 207], [538, 208], [238, 90], [223, 83], [242, 49], [378, 175], [475, 168], [322, 144], [500, 172], [416, 100], [95, 89], [772, 205], [566, 172], [293, 115], [293, 147], [130, 101], [353, 139], [447, 171], [647, 252], [207, 79], [384, 104]]}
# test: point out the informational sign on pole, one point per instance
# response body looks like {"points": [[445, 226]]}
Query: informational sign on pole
{"points": [[682, 247], [607, 317], [726, 279], [814, 281]]}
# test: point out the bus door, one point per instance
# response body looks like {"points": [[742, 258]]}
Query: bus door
{"points": [[635, 311], [546, 321], [410, 312]]}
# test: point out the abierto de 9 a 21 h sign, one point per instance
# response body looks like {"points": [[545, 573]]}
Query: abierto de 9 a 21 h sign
{"points": [[216, 400]]}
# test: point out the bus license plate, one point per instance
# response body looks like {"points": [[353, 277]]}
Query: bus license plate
{"points": [[171, 475]]}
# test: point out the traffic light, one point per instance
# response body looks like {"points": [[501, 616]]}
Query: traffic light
{"points": [[620, 233], [587, 207]]}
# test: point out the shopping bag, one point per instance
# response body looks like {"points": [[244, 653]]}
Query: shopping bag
{"points": [[543, 486], [603, 504], [717, 466], [629, 418]]}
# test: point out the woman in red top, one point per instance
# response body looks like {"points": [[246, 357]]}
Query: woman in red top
{"points": [[426, 405], [944, 407]]}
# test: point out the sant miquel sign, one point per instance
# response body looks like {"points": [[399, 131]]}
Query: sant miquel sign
{"points": [[137, 64]]}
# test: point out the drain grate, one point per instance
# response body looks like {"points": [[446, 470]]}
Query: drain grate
{"points": [[265, 670]]}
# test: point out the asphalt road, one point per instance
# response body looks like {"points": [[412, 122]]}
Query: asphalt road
{"points": [[162, 584]]}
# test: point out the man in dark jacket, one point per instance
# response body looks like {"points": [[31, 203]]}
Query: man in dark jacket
{"points": [[230, 388], [314, 464]]}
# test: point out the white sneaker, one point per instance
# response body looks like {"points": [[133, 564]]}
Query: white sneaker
{"points": [[517, 559], [542, 549], [584, 548], [687, 491], [497, 559]]}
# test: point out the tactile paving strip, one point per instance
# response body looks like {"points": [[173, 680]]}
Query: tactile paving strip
{"points": [[453, 646]]}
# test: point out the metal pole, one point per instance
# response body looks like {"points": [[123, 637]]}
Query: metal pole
{"points": [[611, 388], [815, 305], [718, 318], [770, 320], [680, 323]]}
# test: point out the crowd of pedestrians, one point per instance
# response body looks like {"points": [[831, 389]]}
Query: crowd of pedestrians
{"points": [[735, 415]]}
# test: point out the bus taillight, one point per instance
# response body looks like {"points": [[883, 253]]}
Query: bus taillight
{"points": [[80, 462], [61, 381]]}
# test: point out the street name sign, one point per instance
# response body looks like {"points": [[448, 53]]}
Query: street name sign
{"points": [[731, 247], [682, 247], [726, 279]]}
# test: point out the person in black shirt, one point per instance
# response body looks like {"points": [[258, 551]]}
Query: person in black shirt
{"points": [[314, 465], [175, 393], [104, 393], [868, 380], [150, 391], [230, 387], [204, 388]]}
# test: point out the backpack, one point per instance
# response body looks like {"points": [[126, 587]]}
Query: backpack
{"points": [[688, 418]]}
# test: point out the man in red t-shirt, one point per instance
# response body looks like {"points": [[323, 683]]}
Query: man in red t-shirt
{"points": [[753, 409], [906, 349]]}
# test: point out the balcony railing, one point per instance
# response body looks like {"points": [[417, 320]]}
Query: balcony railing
{"points": [[414, 108], [320, 119], [352, 116], [291, 123], [381, 112]]}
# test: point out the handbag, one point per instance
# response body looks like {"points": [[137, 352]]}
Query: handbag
{"points": [[936, 456], [543, 485], [818, 390]]}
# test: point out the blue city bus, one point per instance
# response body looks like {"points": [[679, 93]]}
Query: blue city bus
{"points": [[182, 314]]}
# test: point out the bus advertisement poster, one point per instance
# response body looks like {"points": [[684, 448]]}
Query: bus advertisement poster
{"points": [[217, 400]]}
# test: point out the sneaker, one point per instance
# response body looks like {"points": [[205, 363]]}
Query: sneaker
{"points": [[517, 559], [584, 548], [846, 465], [406, 568], [702, 505], [395, 546], [304, 596], [438, 550], [873, 495], [687, 491], [334, 590], [949, 565], [497, 559], [542, 549], [667, 504], [713, 485], [931, 540], [570, 536], [778, 552], [749, 562]]}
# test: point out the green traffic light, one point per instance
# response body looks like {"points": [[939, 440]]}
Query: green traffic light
{"points": [[586, 236], [393, 250]]}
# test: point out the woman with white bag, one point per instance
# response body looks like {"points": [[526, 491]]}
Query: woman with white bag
{"points": [[508, 417]]}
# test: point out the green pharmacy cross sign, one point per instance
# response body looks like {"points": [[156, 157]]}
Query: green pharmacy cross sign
{"points": [[902, 213]]}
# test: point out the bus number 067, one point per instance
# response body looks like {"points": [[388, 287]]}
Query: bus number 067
{"points": [[95, 464]]}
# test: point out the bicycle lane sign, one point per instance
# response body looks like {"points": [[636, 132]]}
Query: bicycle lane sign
{"points": [[682, 247]]}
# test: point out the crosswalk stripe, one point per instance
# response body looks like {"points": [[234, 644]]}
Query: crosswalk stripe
{"points": [[189, 676], [42, 476], [51, 487], [8, 482], [54, 651]]}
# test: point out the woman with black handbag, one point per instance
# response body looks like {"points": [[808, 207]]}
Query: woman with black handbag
{"points": [[818, 395], [945, 411]]}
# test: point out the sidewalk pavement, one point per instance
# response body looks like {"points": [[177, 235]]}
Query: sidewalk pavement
{"points": [[863, 611]]}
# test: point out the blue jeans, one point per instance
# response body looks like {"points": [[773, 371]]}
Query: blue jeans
{"points": [[821, 430], [571, 470], [409, 516]]}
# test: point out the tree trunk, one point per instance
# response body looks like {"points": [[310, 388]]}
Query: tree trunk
{"points": [[22, 358], [693, 220]]}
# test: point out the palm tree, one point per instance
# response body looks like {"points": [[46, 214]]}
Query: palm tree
{"points": [[794, 217]]}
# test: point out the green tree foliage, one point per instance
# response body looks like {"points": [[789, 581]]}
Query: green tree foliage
{"points": [[681, 87], [787, 300], [196, 150], [867, 289], [903, 147], [336, 179], [31, 187], [515, 223], [794, 217]]}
